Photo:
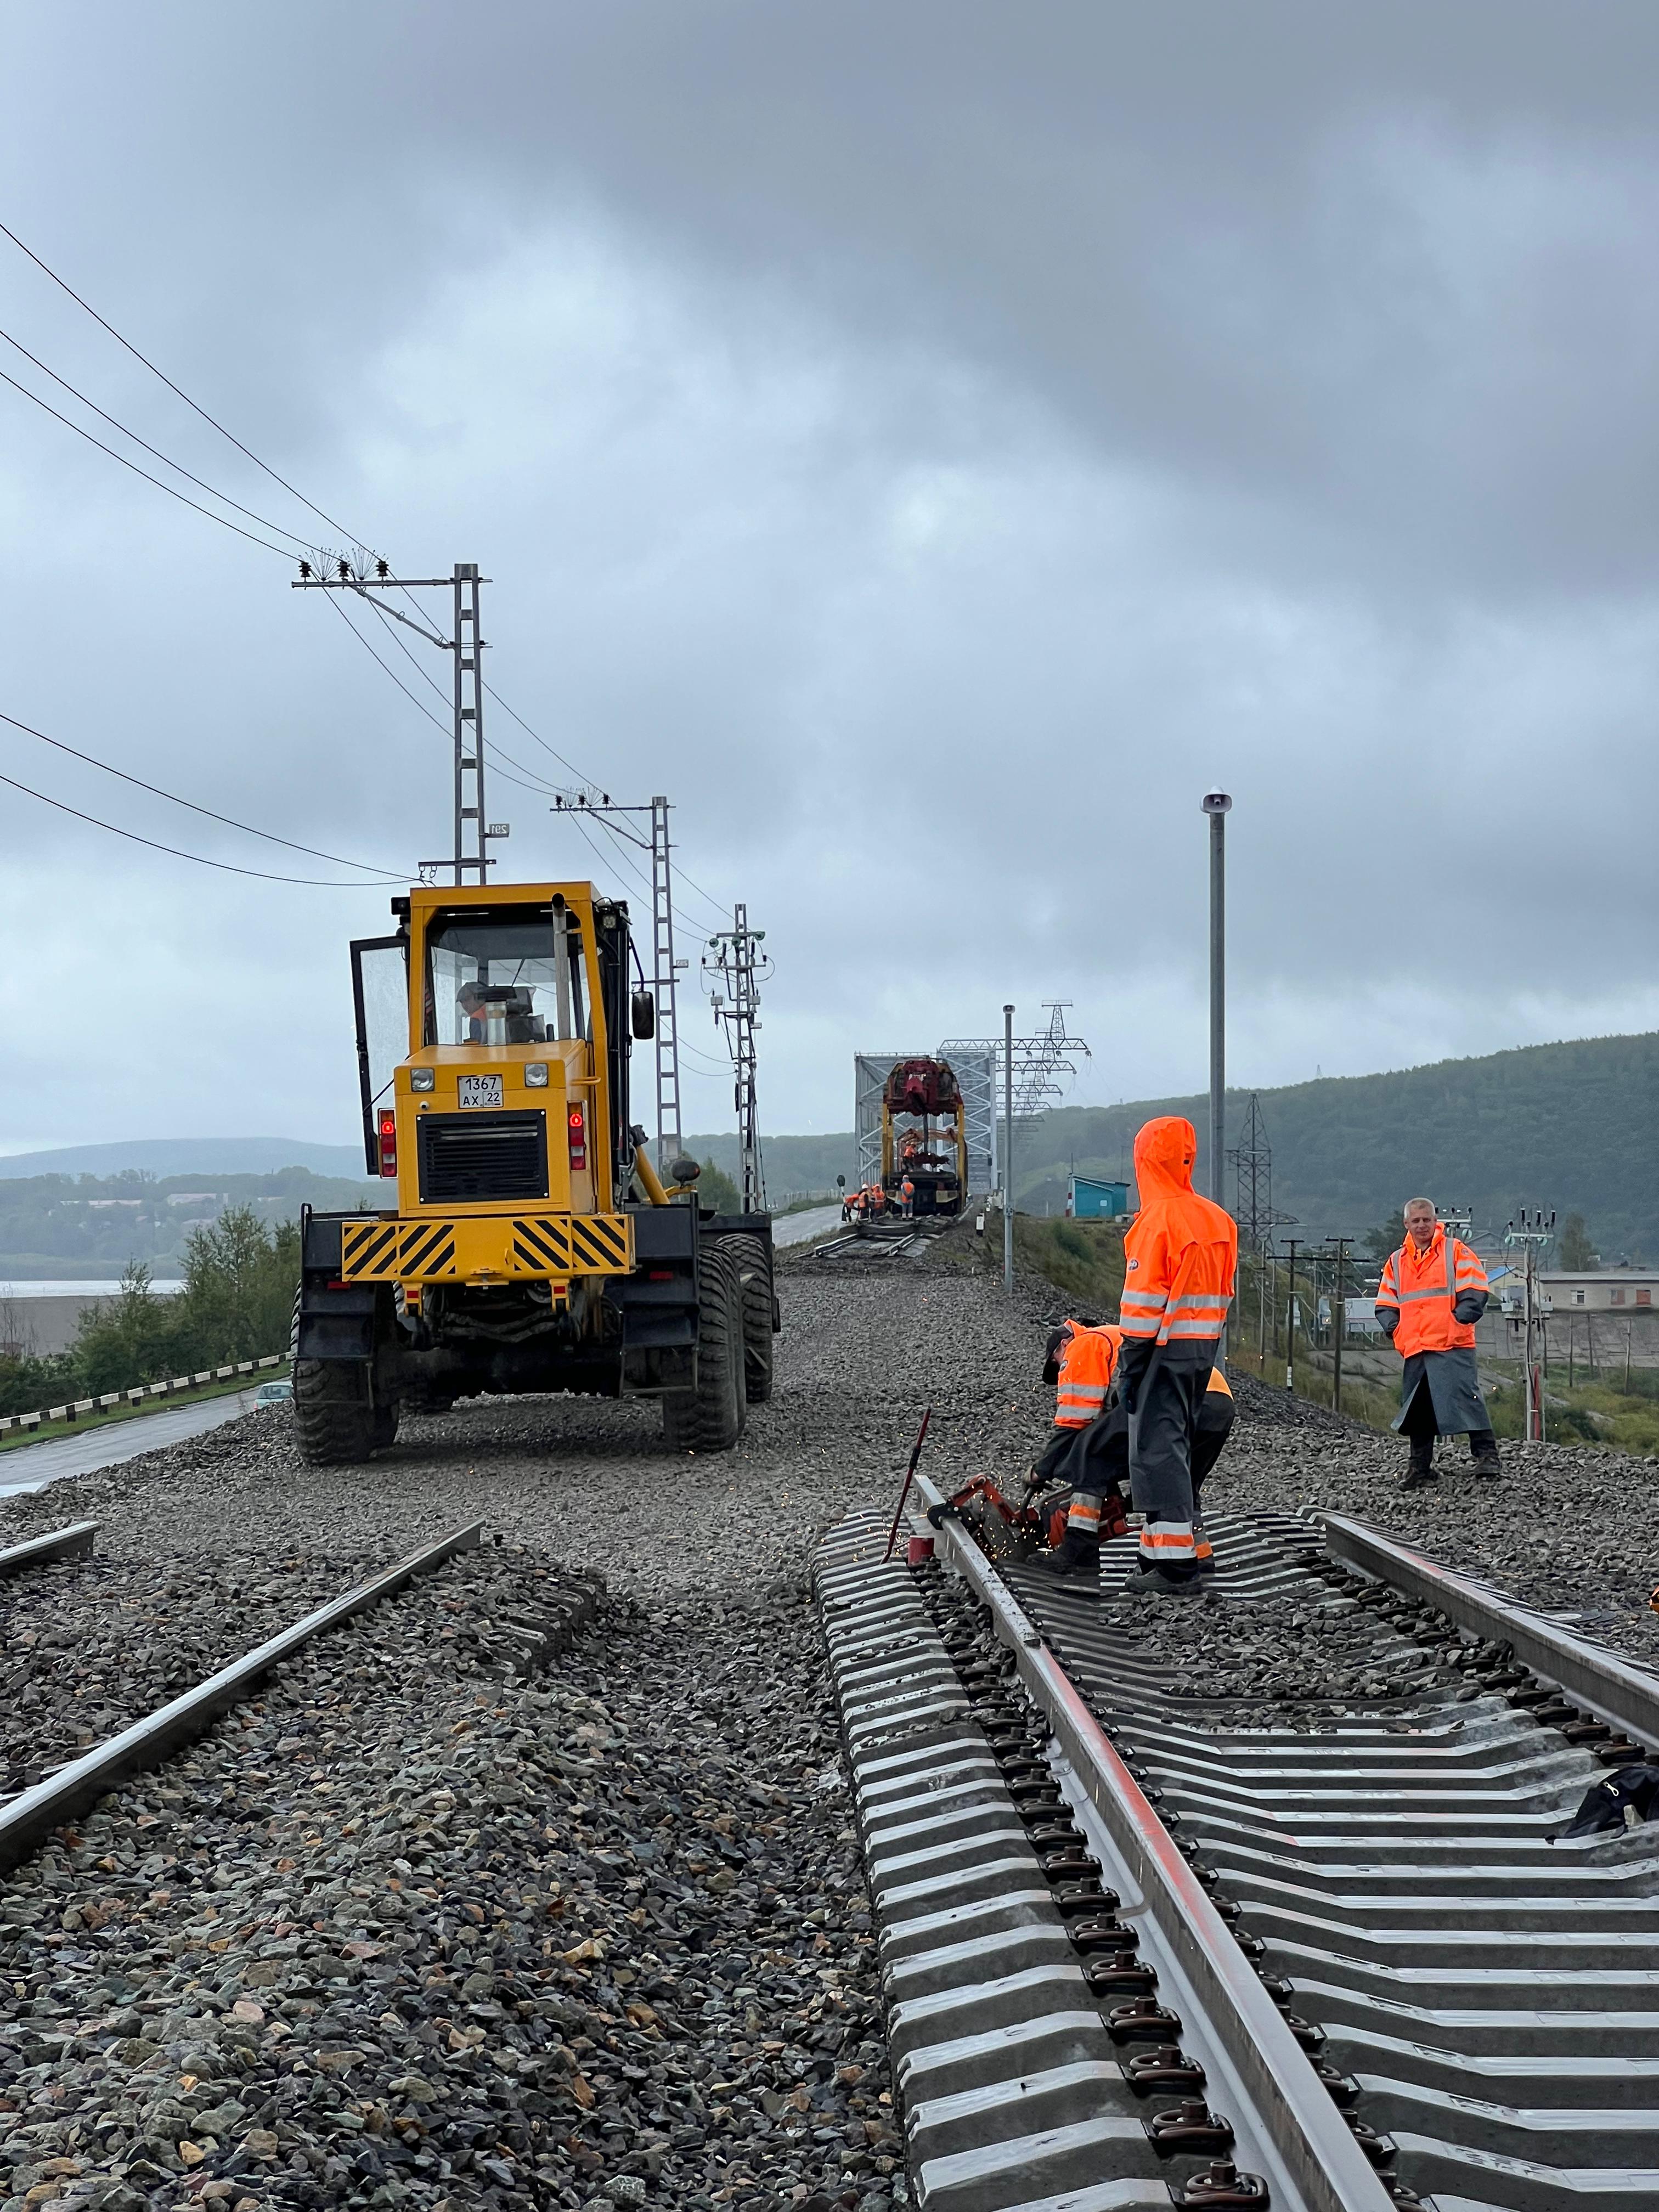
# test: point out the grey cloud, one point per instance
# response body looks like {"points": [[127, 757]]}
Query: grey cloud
{"points": [[932, 443]]}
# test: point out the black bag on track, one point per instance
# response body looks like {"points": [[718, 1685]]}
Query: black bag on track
{"points": [[1624, 1799]]}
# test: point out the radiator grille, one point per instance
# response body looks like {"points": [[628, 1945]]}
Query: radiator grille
{"points": [[482, 1156]]}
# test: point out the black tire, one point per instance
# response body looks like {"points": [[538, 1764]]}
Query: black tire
{"points": [[385, 1427], [711, 1417], [755, 1284], [335, 1416], [336, 1419]]}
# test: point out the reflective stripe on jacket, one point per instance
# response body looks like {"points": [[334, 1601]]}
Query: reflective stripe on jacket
{"points": [[1181, 1252], [1086, 1368], [1423, 1287]]}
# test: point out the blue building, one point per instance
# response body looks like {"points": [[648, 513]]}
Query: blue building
{"points": [[1089, 1201]]}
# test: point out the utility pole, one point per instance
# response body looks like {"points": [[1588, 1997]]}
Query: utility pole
{"points": [[1290, 1243], [1338, 1319], [665, 968], [465, 647], [1008, 1149], [1264, 1260], [662, 975], [1217, 805], [741, 969], [1528, 1233]]}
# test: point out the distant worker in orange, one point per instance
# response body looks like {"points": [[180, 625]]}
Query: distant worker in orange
{"points": [[1181, 1257], [908, 1194], [1433, 1291]]}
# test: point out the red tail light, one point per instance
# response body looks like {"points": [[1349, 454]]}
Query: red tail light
{"points": [[387, 1125], [578, 1119]]}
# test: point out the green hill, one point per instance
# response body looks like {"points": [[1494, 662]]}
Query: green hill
{"points": [[1571, 1127]]}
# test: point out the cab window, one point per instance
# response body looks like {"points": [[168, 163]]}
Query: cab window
{"points": [[495, 979]]}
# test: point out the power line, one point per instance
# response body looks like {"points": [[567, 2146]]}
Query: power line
{"points": [[227, 867], [498, 752], [264, 467], [47, 270], [172, 490], [178, 467], [419, 705], [370, 867], [529, 732]]}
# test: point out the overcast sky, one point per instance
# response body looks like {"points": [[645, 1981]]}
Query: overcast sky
{"points": [[932, 444]]}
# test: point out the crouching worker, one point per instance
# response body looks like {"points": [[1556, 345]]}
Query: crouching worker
{"points": [[1090, 1446], [1181, 1257]]}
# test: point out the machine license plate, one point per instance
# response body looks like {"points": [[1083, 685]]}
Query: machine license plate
{"points": [[481, 1091]]}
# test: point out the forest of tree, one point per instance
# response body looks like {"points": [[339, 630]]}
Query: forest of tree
{"points": [[239, 1276], [1567, 1126]]}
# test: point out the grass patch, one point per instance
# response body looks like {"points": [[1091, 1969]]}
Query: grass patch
{"points": [[16, 1439], [1085, 1259]]}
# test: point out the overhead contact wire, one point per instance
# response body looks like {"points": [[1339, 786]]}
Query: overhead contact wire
{"points": [[178, 467], [172, 490], [47, 270], [177, 853], [366, 868]]}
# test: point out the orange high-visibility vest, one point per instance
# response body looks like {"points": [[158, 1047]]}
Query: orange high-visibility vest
{"points": [[1086, 1368], [1181, 1252], [1423, 1287]]}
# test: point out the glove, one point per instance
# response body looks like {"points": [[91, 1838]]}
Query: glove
{"points": [[1468, 1306], [1388, 1319]]}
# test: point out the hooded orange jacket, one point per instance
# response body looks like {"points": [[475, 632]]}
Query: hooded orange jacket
{"points": [[1181, 1252]]}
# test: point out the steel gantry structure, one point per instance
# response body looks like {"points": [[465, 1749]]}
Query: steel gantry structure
{"points": [[1038, 1062]]}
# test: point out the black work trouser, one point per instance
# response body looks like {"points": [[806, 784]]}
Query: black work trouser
{"points": [[1168, 1390]]}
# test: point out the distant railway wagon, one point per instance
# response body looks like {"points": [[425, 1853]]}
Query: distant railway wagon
{"points": [[924, 1138]]}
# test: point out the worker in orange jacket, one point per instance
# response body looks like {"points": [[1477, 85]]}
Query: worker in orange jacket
{"points": [[1181, 1258], [1433, 1291], [1089, 1447]]}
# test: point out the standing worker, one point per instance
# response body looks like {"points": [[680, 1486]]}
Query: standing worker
{"points": [[1181, 1258], [1087, 1449], [1433, 1291], [908, 1192]]}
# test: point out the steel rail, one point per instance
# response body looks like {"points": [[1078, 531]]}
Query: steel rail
{"points": [[1615, 1690], [1323, 2160], [72, 1542], [31, 1817]]}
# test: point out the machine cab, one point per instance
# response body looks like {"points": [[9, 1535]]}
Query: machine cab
{"points": [[492, 1047]]}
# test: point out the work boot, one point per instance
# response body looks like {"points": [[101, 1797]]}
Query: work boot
{"points": [[1420, 1467], [1483, 1453], [1075, 1554], [1158, 1581]]}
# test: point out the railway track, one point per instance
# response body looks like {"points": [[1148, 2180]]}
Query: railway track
{"points": [[1143, 1945], [28, 1816]]}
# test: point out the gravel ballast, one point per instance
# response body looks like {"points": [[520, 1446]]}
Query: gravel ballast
{"points": [[428, 1923]]}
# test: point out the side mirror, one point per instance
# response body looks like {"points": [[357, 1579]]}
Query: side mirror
{"points": [[644, 1022], [685, 1170]]}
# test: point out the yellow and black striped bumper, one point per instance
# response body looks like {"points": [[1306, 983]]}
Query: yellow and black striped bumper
{"points": [[487, 1248]]}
